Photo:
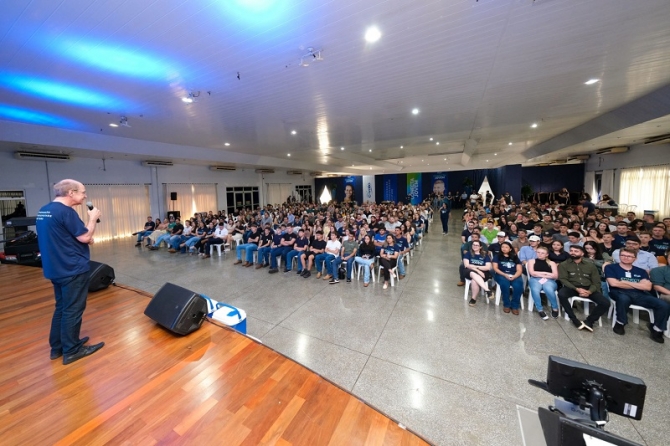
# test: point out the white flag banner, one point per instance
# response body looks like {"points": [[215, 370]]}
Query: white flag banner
{"points": [[368, 188]]}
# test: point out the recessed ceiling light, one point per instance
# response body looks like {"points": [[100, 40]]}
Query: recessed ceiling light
{"points": [[188, 100], [487, 161], [341, 148], [422, 161], [591, 81], [370, 150], [226, 144], [113, 125], [402, 147], [495, 154], [372, 34], [437, 143], [370, 168], [428, 164], [509, 143], [445, 159], [288, 154], [293, 132], [431, 139], [400, 162], [415, 111], [534, 125]]}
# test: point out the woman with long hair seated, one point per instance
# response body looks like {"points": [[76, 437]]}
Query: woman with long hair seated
{"points": [[388, 258], [542, 276], [593, 253], [478, 269], [507, 267], [558, 253], [366, 256], [594, 235]]}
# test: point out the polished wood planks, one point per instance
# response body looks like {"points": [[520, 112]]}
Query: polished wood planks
{"points": [[147, 386]]}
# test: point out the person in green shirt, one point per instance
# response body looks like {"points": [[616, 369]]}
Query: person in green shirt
{"points": [[490, 231]]}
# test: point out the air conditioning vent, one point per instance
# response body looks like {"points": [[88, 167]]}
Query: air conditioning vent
{"points": [[294, 172], [609, 150], [316, 174], [157, 163], [661, 139], [579, 158], [265, 171], [41, 156], [222, 168]]}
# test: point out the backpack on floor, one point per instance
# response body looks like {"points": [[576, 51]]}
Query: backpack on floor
{"points": [[342, 272]]}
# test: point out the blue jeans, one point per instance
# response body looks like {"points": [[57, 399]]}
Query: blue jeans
{"points": [[249, 249], [163, 238], [264, 255], [549, 287], [625, 298], [276, 252], [70, 293], [318, 260], [517, 287], [366, 267], [401, 264], [192, 241], [350, 265], [289, 259], [332, 264], [175, 241], [142, 234]]}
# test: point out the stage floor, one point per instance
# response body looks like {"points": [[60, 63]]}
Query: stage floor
{"points": [[148, 386]]}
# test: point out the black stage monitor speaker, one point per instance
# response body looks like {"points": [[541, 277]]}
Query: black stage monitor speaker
{"points": [[101, 275], [173, 196], [179, 310]]}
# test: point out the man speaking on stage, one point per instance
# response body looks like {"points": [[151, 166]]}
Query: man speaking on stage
{"points": [[63, 240]]}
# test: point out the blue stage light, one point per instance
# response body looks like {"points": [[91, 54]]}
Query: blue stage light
{"points": [[56, 91], [258, 12], [34, 117], [119, 60]]}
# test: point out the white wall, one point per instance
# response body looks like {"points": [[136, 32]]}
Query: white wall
{"points": [[37, 177], [637, 156]]}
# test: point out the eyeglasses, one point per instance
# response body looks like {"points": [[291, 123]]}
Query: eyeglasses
{"points": [[628, 256]]}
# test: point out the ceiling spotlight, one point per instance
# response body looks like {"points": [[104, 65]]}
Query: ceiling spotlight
{"points": [[422, 161], [509, 143], [226, 144], [431, 139], [113, 125], [415, 111], [188, 100], [402, 147], [191, 97], [372, 34], [370, 168], [591, 81], [487, 161], [445, 159], [341, 148], [534, 125], [288, 154], [293, 132], [495, 154], [370, 150], [437, 143]]}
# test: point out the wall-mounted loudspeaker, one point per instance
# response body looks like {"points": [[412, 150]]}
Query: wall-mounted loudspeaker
{"points": [[179, 310], [173, 196]]}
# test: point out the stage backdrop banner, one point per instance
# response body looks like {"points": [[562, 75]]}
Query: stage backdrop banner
{"points": [[390, 187], [368, 188], [414, 187]]}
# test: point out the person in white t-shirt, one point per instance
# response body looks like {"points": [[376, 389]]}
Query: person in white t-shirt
{"points": [[220, 236], [333, 259]]}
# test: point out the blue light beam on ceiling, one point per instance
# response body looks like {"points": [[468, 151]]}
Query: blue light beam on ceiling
{"points": [[118, 60], [34, 117], [56, 91], [258, 13]]}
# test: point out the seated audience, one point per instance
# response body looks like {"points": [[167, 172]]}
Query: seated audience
{"points": [[507, 268], [477, 266], [542, 276]]}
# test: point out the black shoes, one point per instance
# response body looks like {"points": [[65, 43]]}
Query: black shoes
{"points": [[333, 280], [306, 274], [587, 325], [84, 350], [348, 280], [554, 314], [656, 336], [472, 302], [273, 270], [55, 354], [543, 315], [138, 244], [576, 322], [299, 273], [618, 329]]}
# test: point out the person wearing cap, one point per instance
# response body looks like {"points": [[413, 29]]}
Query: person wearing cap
{"points": [[249, 247], [494, 248], [529, 252], [645, 260], [580, 278], [547, 240], [630, 285]]}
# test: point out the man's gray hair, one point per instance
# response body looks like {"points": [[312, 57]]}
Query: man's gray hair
{"points": [[63, 187]]}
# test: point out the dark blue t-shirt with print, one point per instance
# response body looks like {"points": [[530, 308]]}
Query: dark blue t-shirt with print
{"points": [[58, 227], [391, 249], [507, 265], [615, 271], [659, 247], [477, 259], [301, 242], [401, 243]]}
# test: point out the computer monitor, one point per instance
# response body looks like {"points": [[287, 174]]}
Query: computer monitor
{"points": [[563, 431]]}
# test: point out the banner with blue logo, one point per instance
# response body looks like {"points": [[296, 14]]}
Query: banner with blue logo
{"points": [[439, 183], [390, 183], [368, 188], [414, 187]]}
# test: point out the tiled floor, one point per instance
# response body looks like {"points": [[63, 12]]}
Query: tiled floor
{"points": [[417, 351]]}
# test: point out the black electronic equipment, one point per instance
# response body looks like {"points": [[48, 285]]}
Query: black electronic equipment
{"points": [[177, 309]]}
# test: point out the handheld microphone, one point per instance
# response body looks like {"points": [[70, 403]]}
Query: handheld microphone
{"points": [[90, 208]]}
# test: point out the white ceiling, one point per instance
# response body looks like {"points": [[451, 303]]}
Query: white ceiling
{"points": [[481, 72]]}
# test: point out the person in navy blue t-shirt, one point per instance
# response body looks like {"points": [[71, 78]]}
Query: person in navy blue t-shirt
{"points": [[63, 241], [477, 264], [507, 267], [630, 285], [388, 258]]}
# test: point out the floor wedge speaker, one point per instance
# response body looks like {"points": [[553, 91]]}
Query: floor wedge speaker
{"points": [[179, 310], [101, 275]]}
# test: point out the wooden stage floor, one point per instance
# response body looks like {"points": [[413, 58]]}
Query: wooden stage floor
{"points": [[147, 386]]}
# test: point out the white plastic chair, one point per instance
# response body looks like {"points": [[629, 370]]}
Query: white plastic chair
{"points": [[531, 302], [393, 270], [586, 301], [499, 296], [636, 313], [360, 270]]}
